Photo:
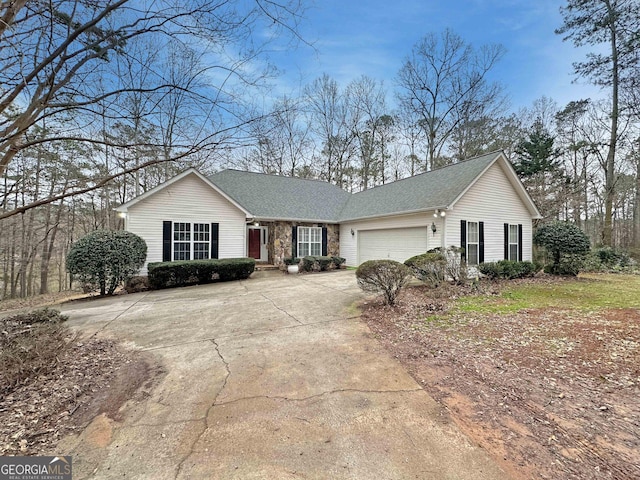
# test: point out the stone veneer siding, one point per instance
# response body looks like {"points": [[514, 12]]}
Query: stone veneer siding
{"points": [[279, 244]]}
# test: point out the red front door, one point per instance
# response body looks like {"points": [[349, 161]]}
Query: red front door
{"points": [[254, 243]]}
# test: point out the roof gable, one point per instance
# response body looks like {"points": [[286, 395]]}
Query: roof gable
{"points": [[438, 188], [191, 171], [276, 197], [513, 179]]}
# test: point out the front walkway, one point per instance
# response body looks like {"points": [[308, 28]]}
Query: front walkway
{"points": [[272, 377]]}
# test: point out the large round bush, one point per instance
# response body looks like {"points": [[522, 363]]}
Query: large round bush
{"points": [[383, 276], [566, 244], [430, 268], [106, 259]]}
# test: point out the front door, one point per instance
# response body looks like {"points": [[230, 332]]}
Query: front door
{"points": [[254, 243]]}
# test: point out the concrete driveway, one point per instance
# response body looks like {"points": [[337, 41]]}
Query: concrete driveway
{"points": [[272, 377]]}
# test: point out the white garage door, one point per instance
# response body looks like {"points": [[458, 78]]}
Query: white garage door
{"points": [[393, 244]]}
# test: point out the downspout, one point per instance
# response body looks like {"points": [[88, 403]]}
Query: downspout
{"points": [[443, 239]]}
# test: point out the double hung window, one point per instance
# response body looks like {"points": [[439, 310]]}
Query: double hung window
{"points": [[191, 241], [309, 241]]}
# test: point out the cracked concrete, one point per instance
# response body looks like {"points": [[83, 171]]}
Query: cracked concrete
{"points": [[273, 377]]}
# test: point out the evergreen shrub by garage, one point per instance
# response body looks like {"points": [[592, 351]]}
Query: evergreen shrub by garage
{"points": [[196, 272], [430, 268]]}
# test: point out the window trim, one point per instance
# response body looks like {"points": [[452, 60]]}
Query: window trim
{"points": [[192, 241], [476, 243], [516, 243], [309, 243]]}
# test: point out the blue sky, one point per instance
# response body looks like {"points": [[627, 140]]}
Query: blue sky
{"points": [[373, 37]]}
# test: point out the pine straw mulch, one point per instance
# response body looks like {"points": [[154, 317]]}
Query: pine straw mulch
{"points": [[550, 393], [90, 377]]}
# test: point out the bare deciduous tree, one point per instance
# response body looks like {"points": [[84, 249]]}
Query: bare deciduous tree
{"points": [[444, 81], [613, 24], [79, 61]]}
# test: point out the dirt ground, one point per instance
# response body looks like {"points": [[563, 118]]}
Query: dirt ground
{"points": [[93, 376], [550, 393], [13, 305]]}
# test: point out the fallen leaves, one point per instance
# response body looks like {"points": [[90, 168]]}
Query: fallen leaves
{"points": [[34, 416], [551, 390]]}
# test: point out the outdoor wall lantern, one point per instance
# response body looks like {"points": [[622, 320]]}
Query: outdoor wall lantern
{"points": [[434, 229], [352, 232]]}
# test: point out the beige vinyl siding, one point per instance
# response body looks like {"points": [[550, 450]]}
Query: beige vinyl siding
{"points": [[492, 200], [187, 200], [349, 243]]}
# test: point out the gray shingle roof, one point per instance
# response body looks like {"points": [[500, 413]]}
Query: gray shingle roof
{"points": [[435, 189], [278, 197], [287, 198]]}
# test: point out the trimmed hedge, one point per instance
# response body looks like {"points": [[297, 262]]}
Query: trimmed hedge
{"points": [[321, 263], [429, 268], [508, 269], [196, 272]]}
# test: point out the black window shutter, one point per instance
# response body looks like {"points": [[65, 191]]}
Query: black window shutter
{"points": [[215, 236], [294, 241], [506, 241], [463, 239], [324, 241], [520, 242], [166, 241], [480, 242]]}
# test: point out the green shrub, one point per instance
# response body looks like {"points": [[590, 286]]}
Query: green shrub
{"points": [[566, 244], [607, 259], [383, 276], [569, 265], [105, 258], [308, 263], [508, 269], [338, 261], [318, 264], [291, 261], [429, 268], [195, 272], [324, 262], [30, 344], [491, 270]]}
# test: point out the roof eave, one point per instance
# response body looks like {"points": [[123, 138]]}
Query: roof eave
{"points": [[305, 220], [395, 214]]}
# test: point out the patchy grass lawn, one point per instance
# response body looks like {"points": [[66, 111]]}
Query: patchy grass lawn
{"points": [[543, 373], [587, 293]]}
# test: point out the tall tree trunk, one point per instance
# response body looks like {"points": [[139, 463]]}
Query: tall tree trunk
{"points": [[609, 189], [48, 247], [636, 207]]}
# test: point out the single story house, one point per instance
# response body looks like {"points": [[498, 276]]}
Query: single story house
{"points": [[479, 204]]}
